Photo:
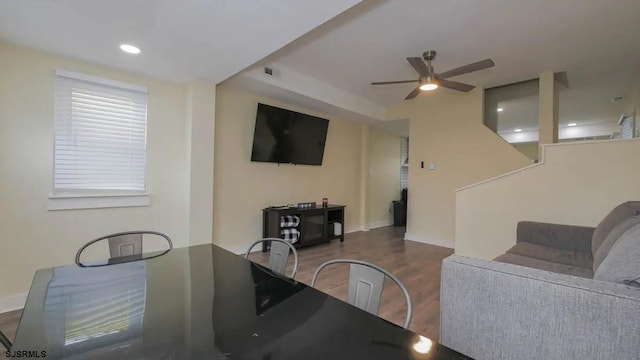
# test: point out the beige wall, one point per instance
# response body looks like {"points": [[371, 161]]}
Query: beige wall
{"points": [[577, 183], [242, 188], [200, 130], [529, 149], [548, 106], [365, 132], [384, 177], [446, 129], [32, 237]]}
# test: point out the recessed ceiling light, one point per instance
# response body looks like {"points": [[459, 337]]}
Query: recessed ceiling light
{"points": [[499, 109], [572, 124], [130, 49], [517, 130]]}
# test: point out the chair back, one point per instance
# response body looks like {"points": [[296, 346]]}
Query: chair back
{"points": [[123, 244], [5, 341], [278, 255], [366, 282]]}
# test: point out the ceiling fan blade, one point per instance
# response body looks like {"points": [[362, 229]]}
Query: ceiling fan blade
{"points": [[393, 82], [456, 85], [413, 94], [486, 63], [419, 65]]}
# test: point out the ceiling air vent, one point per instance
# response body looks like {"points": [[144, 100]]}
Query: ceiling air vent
{"points": [[617, 99], [268, 71]]}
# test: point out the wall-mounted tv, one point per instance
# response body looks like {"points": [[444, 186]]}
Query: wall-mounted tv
{"points": [[288, 137]]}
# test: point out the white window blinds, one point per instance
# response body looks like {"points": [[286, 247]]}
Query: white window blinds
{"points": [[627, 126], [100, 134]]}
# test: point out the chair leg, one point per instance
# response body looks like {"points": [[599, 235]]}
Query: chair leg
{"points": [[5, 342]]}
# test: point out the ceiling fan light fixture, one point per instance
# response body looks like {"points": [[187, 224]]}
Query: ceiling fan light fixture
{"points": [[429, 80], [428, 87], [429, 84]]}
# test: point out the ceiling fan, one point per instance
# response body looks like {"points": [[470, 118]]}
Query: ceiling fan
{"points": [[429, 80]]}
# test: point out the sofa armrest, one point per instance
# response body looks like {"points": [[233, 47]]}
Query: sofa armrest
{"points": [[493, 310], [565, 237]]}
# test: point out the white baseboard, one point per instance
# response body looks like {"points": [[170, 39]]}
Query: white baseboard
{"points": [[13, 302], [379, 224], [354, 230], [431, 241]]}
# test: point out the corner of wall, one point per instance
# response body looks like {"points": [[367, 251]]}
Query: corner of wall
{"points": [[447, 131]]}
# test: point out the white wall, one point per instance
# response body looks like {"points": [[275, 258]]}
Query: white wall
{"points": [[446, 129], [32, 237], [242, 188], [384, 177], [575, 183]]}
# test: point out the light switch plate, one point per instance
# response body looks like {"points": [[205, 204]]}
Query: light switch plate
{"points": [[432, 166]]}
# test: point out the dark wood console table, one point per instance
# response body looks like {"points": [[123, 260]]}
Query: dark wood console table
{"points": [[316, 224]]}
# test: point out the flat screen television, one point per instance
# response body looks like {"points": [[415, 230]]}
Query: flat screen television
{"points": [[288, 137]]}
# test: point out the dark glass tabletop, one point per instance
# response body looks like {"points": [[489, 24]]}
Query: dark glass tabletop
{"points": [[201, 302]]}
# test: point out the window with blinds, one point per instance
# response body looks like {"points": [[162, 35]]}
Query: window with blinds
{"points": [[100, 135], [627, 126]]}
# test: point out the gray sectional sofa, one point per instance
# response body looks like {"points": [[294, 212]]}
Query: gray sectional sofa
{"points": [[562, 292]]}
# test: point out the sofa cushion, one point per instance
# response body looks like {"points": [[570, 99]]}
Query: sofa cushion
{"points": [[566, 257], [615, 217], [622, 265], [611, 240], [526, 261]]}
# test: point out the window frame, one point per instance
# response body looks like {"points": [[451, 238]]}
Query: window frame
{"points": [[96, 198]]}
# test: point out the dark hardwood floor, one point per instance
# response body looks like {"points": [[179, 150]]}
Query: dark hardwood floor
{"points": [[416, 265]]}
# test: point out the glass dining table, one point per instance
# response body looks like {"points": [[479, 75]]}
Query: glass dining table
{"points": [[200, 302]]}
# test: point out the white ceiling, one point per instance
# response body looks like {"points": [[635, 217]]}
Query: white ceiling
{"points": [[181, 40], [371, 41], [214, 39]]}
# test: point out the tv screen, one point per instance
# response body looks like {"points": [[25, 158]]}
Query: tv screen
{"points": [[288, 137]]}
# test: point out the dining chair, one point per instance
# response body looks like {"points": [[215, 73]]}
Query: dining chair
{"points": [[278, 255], [122, 244], [366, 281], [5, 341]]}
